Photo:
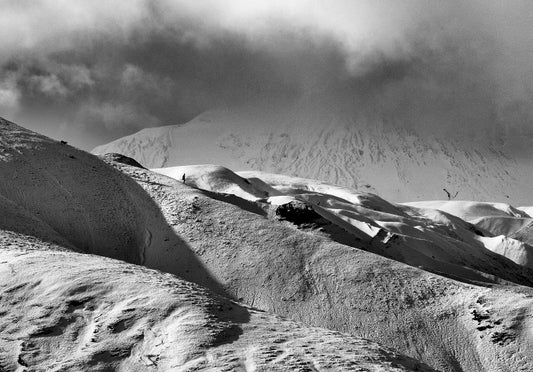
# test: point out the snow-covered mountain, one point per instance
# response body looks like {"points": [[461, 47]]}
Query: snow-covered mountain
{"points": [[341, 147], [106, 265], [67, 306]]}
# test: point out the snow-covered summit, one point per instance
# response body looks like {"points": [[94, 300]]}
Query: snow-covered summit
{"points": [[395, 162]]}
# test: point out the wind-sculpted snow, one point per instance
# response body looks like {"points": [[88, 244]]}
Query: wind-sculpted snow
{"points": [[60, 194], [298, 270], [61, 310], [508, 228], [422, 237], [399, 228], [416, 280], [394, 162], [219, 179], [64, 311], [468, 210]]}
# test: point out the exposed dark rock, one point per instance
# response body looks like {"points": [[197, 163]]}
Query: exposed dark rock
{"points": [[300, 214], [119, 158]]}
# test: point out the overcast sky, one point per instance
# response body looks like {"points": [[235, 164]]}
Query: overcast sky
{"points": [[92, 71]]}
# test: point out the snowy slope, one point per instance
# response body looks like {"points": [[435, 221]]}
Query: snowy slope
{"points": [[73, 311], [468, 210], [298, 270], [219, 179], [64, 311], [353, 151], [72, 197], [422, 237], [61, 310]]}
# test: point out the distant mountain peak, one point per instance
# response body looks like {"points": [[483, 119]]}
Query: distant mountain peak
{"points": [[339, 146]]}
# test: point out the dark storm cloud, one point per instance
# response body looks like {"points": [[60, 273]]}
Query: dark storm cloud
{"points": [[150, 82], [92, 71], [108, 86]]}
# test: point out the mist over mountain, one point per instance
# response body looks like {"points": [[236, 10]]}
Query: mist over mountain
{"points": [[322, 139], [97, 71]]}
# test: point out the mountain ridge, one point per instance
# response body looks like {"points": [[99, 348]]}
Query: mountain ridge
{"points": [[397, 163]]}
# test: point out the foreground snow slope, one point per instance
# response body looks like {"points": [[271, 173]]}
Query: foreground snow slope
{"points": [[337, 147], [64, 311]]}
